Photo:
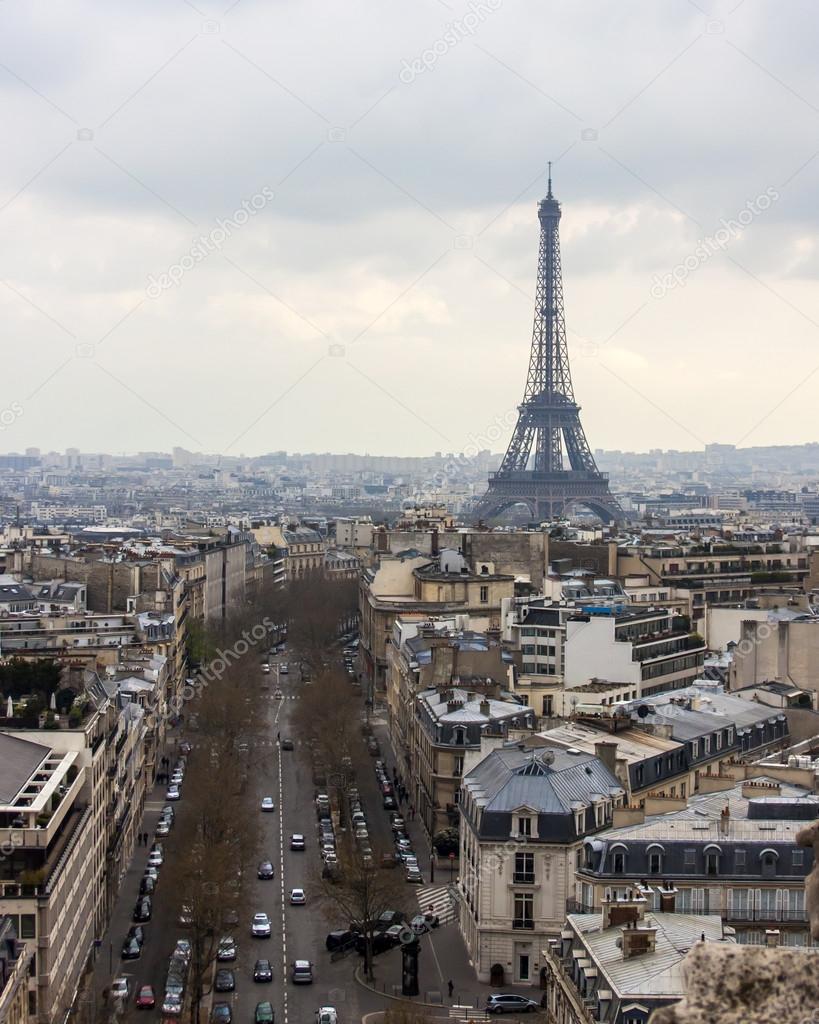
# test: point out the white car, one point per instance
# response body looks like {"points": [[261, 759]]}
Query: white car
{"points": [[260, 928], [326, 1015], [155, 859], [297, 897], [266, 668], [267, 803], [284, 669], [172, 1004], [173, 793], [120, 988]]}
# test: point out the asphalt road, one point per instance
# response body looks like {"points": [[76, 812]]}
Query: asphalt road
{"points": [[298, 932]]}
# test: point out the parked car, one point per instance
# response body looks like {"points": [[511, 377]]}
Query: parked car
{"points": [[152, 873], [182, 950], [142, 910], [414, 875], [423, 923], [226, 951], [131, 949], [388, 803], [302, 972], [225, 980], [262, 971], [502, 1002], [155, 859], [163, 827], [265, 668], [340, 939], [297, 841], [260, 928], [146, 1000], [120, 988], [172, 793], [136, 931], [267, 803], [185, 916], [265, 870], [263, 1013], [172, 1004], [221, 1013]]}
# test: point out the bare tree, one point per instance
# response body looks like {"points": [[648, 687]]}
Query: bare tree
{"points": [[362, 891]]}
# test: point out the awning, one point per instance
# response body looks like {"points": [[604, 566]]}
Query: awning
{"points": [[604, 995], [590, 972]]}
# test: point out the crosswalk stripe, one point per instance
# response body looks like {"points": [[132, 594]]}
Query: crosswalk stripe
{"points": [[441, 900]]}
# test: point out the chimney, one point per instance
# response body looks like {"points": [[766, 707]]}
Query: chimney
{"points": [[636, 941], [627, 909], [434, 542], [606, 751], [668, 897], [772, 937], [725, 820], [484, 706]]}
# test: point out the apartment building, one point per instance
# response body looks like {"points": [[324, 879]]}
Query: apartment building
{"points": [[622, 963], [524, 816], [410, 586], [16, 959], [651, 650], [732, 853], [449, 723]]}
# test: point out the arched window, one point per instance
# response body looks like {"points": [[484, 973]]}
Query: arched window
{"points": [[712, 854], [619, 858], [655, 854], [768, 859]]}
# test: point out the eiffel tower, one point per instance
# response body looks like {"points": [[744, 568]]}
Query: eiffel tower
{"points": [[532, 472]]}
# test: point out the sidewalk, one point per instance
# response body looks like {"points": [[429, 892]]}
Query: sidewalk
{"points": [[442, 959]]}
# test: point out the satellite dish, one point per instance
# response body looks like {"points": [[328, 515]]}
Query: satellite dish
{"points": [[548, 757], [643, 711]]}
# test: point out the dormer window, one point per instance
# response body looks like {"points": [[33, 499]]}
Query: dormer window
{"points": [[524, 825], [655, 854]]}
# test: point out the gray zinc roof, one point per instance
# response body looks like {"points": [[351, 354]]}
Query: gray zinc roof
{"points": [[18, 761]]}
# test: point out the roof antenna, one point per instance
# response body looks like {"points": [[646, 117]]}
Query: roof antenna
{"points": [[549, 192]]}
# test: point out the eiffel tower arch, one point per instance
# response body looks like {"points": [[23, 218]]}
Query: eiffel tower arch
{"points": [[548, 465]]}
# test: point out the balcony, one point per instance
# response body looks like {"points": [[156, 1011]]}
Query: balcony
{"points": [[765, 914], [524, 877], [523, 923]]}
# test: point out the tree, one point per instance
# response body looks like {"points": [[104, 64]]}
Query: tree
{"points": [[362, 892], [446, 841], [218, 847]]}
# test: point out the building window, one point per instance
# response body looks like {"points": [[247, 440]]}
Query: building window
{"points": [[797, 858], [548, 705], [712, 862], [27, 926], [768, 864], [618, 862], [655, 860], [524, 910], [524, 826], [484, 595], [458, 767], [524, 868], [690, 857]]}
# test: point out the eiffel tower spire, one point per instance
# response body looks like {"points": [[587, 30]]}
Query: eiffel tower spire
{"points": [[549, 434]]}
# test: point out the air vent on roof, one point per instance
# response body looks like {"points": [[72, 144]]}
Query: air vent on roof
{"points": [[573, 750]]}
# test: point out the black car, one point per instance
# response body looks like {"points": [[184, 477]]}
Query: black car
{"points": [[287, 744], [142, 910], [340, 939], [265, 871], [136, 931], [147, 886], [262, 971], [381, 942], [225, 980], [221, 1013], [389, 803], [131, 949]]}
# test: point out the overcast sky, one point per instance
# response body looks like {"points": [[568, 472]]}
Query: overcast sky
{"points": [[378, 295]]}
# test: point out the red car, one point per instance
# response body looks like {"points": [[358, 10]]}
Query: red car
{"points": [[146, 1000]]}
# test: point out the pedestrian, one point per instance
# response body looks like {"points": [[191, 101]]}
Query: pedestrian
{"points": [[139, 839], [451, 987], [144, 838]]}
